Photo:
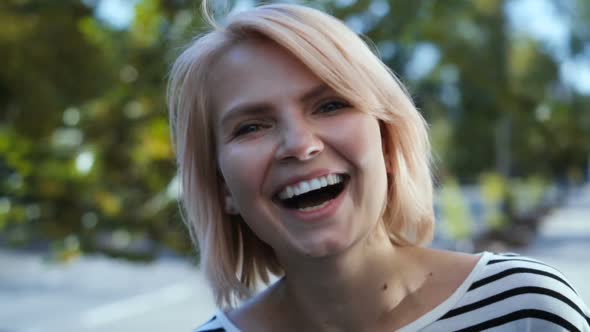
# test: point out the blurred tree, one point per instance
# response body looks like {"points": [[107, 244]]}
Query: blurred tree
{"points": [[85, 156], [499, 90]]}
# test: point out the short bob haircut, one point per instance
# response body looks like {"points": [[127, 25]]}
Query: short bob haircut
{"points": [[233, 258]]}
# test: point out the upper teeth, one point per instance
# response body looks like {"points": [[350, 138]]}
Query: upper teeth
{"points": [[309, 185]]}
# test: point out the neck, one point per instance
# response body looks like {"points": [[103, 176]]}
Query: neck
{"points": [[356, 290]]}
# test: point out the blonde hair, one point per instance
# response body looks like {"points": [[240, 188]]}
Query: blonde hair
{"points": [[233, 258]]}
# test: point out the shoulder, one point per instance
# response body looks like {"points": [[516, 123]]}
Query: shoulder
{"points": [[510, 288], [521, 274], [519, 270]]}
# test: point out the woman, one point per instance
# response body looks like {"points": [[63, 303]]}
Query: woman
{"points": [[301, 155]]}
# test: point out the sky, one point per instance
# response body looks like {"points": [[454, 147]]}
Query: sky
{"points": [[541, 20], [537, 18], [118, 13]]}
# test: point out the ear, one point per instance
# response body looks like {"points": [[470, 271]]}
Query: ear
{"points": [[230, 207]]}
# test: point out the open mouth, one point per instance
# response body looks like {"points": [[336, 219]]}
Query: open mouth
{"points": [[313, 198]]}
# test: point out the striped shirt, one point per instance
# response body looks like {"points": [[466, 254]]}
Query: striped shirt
{"points": [[503, 293]]}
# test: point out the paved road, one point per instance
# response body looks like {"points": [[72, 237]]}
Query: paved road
{"points": [[564, 240], [96, 294]]}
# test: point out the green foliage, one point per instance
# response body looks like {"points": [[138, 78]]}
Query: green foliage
{"points": [[85, 158], [500, 90], [85, 154], [495, 192], [455, 211]]}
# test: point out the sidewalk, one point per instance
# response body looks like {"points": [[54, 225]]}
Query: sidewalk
{"points": [[99, 294], [564, 240]]}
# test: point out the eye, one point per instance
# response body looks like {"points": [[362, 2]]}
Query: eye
{"points": [[247, 129], [331, 106]]}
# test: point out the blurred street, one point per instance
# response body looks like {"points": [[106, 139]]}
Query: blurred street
{"points": [[98, 294], [564, 240]]}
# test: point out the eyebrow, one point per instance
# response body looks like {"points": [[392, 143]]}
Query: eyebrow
{"points": [[246, 109]]}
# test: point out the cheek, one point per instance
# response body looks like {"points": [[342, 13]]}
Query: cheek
{"points": [[362, 142], [243, 168], [363, 148]]}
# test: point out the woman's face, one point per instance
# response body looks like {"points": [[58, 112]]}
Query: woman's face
{"points": [[303, 168]]}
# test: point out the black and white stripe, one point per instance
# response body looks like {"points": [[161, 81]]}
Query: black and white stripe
{"points": [[514, 293]]}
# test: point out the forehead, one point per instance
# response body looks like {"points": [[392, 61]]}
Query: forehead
{"points": [[257, 71]]}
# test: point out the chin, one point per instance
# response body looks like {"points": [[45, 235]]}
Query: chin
{"points": [[326, 247]]}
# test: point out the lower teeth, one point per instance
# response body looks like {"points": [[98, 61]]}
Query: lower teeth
{"points": [[313, 208]]}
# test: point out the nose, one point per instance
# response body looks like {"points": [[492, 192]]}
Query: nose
{"points": [[299, 142]]}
